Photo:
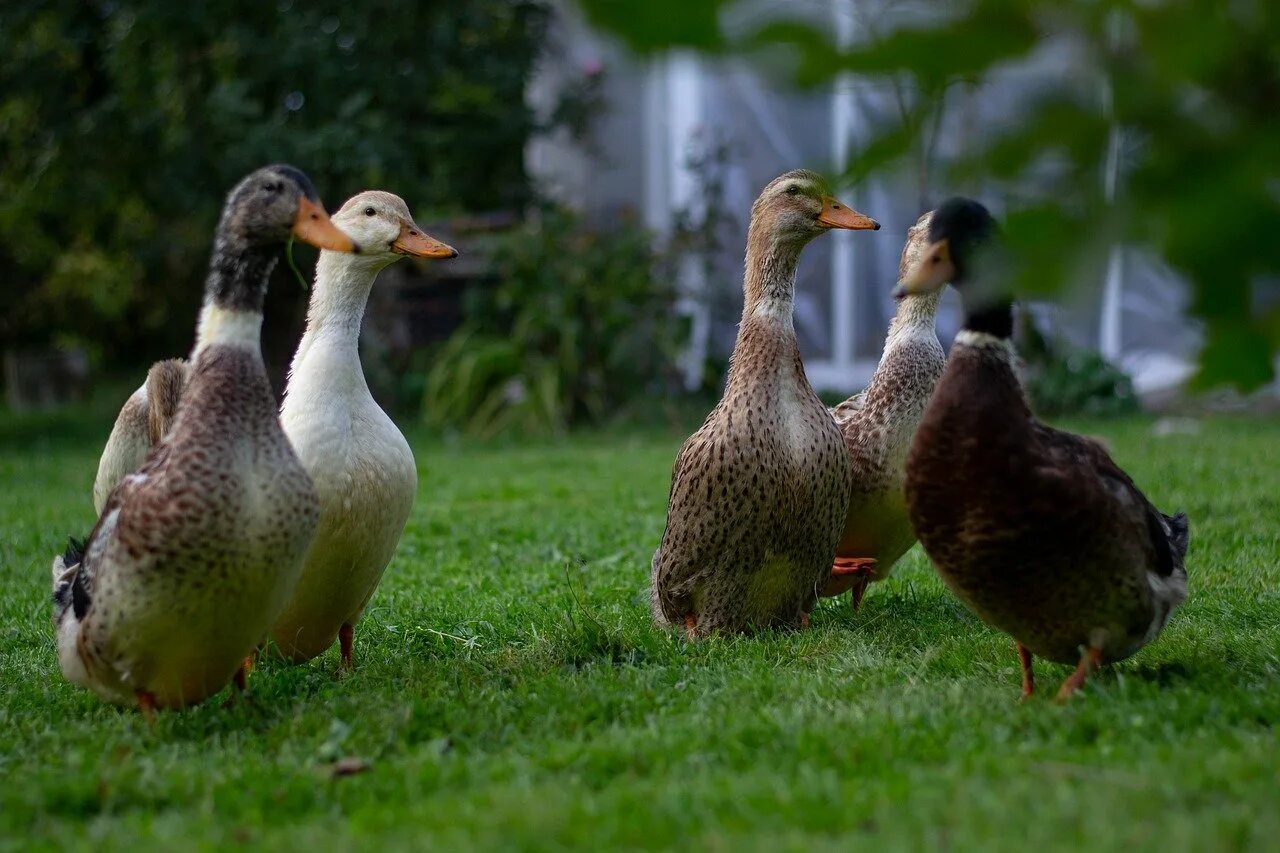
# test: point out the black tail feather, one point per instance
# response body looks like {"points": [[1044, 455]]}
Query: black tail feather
{"points": [[1179, 532], [74, 552], [70, 589], [1170, 535]]}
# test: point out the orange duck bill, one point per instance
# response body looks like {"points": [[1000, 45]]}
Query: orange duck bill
{"points": [[416, 243], [837, 215], [312, 225]]}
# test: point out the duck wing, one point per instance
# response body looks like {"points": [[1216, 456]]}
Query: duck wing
{"points": [[143, 421], [847, 410], [126, 447], [710, 511], [1090, 459], [76, 570]]}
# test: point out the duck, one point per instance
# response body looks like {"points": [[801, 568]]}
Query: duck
{"points": [[195, 554], [878, 425], [760, 492], [362, 466], [1037, 530], [142, 423]]}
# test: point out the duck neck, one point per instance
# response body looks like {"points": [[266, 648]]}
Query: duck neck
{"points": [[233, 295], [984, 367], [338, 300], [912, 359], [769, 286], [990, 321], [913, 314]]}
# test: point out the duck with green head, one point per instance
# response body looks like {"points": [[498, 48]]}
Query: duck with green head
{"points": [[1036, 530]]}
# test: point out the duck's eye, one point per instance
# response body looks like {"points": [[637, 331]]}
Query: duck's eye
{"points": [[794, 189], [369, 211], [275, 188]]}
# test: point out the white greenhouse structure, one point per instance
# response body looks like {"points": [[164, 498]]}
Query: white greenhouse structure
{"points": [[659, 112]]}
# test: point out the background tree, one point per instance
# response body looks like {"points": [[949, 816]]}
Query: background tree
{"points": [[123, 124]]}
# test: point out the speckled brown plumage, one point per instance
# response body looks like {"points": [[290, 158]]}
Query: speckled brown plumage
{"points": [[1037, 530], [201, 550], [194, 553], [759, 492], [879, 423]]}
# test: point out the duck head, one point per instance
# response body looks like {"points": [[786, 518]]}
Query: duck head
{"points": [[274, 203], [381, 223], [960, 230], [797, 206], [963, 249], [914, 249]]}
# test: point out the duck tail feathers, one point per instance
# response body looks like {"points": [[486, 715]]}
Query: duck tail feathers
{"points": [[74, 553], [1179, 528], [68, 587]]}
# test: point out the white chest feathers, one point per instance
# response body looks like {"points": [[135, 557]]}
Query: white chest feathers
{"points": [[355, 454]]}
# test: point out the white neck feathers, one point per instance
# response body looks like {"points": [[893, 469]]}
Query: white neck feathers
{"points": [[329, 352], [227, 327], [341, 292], [774, 309], [914, 317], [986, 341]]}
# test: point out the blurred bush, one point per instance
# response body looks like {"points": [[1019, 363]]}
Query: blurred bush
{"points": [[579, 324], [1079, 382], [1180, 100], [123, 124], [1062, 378]]}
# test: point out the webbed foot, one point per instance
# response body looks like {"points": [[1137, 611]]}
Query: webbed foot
{"points": [[241, 682], [851, 574], [1089, 661], [146, 705]]}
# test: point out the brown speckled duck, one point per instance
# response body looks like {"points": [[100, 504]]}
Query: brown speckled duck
{"points": [[878, 426], [195, 553], [1036, 530], [759, 493]]}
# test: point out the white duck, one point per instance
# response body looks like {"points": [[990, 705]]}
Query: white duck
{"points": [[362, 467]]}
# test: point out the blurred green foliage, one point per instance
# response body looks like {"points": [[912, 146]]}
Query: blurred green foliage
{"points": [[1193, 86], [123, 124], [578, 325], [1062, 379], [1080, 382]]}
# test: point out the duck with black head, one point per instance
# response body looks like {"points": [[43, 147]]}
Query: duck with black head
{"points": [[194, 554], [1036, 530], [759, 493]]}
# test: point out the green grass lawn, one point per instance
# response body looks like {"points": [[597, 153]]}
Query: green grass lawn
{"points": [[510, 691]]}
